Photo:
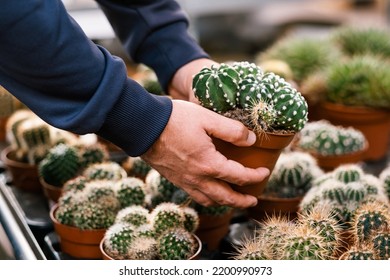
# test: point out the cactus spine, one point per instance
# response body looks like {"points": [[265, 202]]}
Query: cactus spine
{"points": [[130, 191], [176, 244]]}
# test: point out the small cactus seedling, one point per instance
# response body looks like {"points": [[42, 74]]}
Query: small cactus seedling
{"points": [[130, 191], [135, 215], [176, 244]]}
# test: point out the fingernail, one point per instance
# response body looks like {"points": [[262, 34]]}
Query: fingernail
{"points": [[251, 138], [254, 201]]}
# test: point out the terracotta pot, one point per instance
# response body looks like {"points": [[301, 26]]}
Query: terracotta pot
{"points": [[51, 192], [212, 229], [373, 123], [78, 243], [3, 122], [24, 176], [264, 153], [106, 256], [268, 206]]}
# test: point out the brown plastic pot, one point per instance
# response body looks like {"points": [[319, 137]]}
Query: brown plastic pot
{"points": [[373, 123], [264, 153], [51, 192], [24, 176], [78, 243], [269, 206]]}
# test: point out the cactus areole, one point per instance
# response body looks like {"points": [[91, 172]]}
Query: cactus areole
{"points": [[263, 101]]}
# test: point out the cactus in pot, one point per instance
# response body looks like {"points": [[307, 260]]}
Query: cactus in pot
{"points": [[263, 102], [108, 170], [130, 191], [176, 244]]}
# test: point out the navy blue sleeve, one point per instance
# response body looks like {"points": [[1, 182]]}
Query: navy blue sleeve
{"points": [[160, 39], [49, 64]]}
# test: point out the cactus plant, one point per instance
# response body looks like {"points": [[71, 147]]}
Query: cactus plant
{"points": [[60, 164], [384, 177], [92, 153], [75, 184], [158, 187], [270, 101], [130, 191], [359, 252], [325, 139], [252, 249], [117, 240], [381, 244], [142, 248], [109, 170], [135, 215], [136, 166], [166, 215], [176, 244]]}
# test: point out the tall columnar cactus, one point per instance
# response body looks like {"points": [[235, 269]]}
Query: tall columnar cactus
{"points": [[60, 164], [109, 170], [130, 191], [268, 100], [176, 244], [323, 138], [135, 215], [117, 240], [293, 175], [167, 215]]}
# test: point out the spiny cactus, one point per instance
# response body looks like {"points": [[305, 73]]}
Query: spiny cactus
{"points": [[60, 164], [252, 249], [323, 138], [384, 176], [270, 102], [136, 166], [106, 170], [381, 244], [359, 252], [304, 244], [176, 244], [117, 240], [93, 216], [167, 215], [369, 218], [348, 173], [142, 248], [292, 175], [191, 219], [101, 192], [130, 191], [159, 188], [136, 215], [92, 153], [216, 210], [75, 184]]}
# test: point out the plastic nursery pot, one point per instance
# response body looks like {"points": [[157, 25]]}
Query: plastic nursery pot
{"points": [[268, 206], [24, 176], [213, 228], [51, 192], [373, 123], [264, 153], [78, 243], [106, 256]]}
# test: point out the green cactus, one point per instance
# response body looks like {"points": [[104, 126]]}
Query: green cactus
{"points": [[217, 210], [130, 191], [101, 192], [381, 244], [136, 166], [384, 177], [106, 170], [93, 153], [93, 216], [75, 184], [143, 248], [369, 218], [293, 175], [252, 249], [191, 219], [216, 87], [135, 215], [323, 138], [348, 173], [176, 244], [304, 244], [167, 215], [160, 188], [247, 69], [60, 164], [359, 252], [117, 240]]}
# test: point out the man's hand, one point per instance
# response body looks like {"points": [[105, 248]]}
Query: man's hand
{"points": [[187, 157]]}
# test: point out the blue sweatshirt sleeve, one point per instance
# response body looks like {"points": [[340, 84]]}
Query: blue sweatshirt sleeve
{"points": [[49, 64]]}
